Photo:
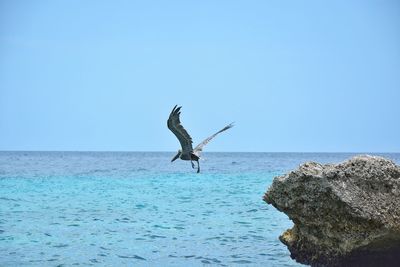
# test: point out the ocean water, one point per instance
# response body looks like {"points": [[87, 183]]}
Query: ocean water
{"points": [[138, 209]]}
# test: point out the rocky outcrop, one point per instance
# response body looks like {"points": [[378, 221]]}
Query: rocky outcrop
{"points": [[346, 214]]}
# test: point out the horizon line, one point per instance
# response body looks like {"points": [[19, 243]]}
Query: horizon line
{"points": [[172, 151]]}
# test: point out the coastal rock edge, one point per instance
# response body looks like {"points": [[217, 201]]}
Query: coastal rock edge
{"points": [[343, 214]]}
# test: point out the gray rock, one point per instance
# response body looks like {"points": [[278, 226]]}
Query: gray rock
{"points": [[344, 215]]}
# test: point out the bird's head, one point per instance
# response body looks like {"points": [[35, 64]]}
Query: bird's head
{"points": [[177, 155]]}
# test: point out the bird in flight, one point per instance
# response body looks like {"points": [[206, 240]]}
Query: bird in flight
{"points": [[187, 152]]}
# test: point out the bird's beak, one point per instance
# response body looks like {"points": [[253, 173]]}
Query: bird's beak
{"points": [[176, 156]]}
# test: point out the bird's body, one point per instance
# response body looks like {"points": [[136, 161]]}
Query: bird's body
{"points": [[188, 156], [187, 152]]}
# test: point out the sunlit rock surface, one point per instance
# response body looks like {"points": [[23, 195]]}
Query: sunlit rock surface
{"points": [[344, 214]]}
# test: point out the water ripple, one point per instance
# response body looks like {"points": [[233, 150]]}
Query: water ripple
{"points": [[123, 209]]}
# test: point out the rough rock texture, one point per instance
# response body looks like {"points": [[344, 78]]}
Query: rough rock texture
{"points": [[344, 215]]}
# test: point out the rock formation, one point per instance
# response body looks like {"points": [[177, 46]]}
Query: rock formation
{"points": [[346, 214]]}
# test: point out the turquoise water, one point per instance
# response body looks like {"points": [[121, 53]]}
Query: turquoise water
{"points": [[138, 209]]}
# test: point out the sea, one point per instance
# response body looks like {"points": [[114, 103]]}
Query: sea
{"points": [[139, 209]]}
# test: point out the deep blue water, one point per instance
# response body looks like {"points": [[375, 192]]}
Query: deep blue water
{"points": [[138, 209]]}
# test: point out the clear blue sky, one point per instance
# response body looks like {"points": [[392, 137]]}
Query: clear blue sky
{"points": [[293, 75]]}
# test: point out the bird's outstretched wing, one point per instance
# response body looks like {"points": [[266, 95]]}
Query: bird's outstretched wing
{"points": [[174, 124], [199, 148]]}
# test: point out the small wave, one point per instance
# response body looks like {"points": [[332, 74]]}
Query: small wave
{"points": [[242, 262], [241, 222], [208, 260], [61, 246], [160, 226], [140, 206], [156, 236], [189, 256], [132, 257], [8, 199], [252, 210]]}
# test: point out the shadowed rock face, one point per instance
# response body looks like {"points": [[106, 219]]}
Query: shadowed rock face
{"points": [[344, 214]]}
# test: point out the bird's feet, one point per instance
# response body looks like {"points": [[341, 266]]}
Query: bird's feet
{"points": [[192, 164]]}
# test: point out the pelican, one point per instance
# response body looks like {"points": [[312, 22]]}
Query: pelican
{"points": [[187, 152]]}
